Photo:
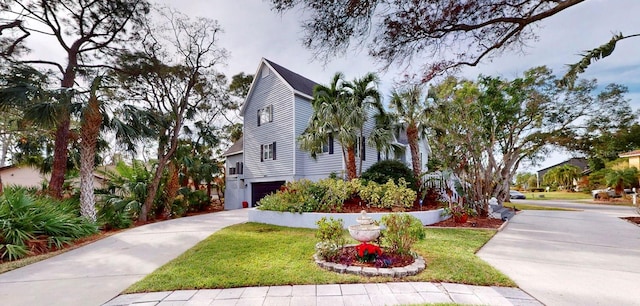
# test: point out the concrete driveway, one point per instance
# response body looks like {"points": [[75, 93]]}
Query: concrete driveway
{"points": [[97, 272], [588, 257]]}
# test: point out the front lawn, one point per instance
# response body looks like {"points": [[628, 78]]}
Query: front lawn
{"points": [[557, 195], [521, 206], [254, 254]]}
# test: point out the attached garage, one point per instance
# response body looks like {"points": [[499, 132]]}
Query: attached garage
{"points": [[259, 190]]}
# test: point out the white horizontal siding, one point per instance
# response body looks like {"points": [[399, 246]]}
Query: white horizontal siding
{"points": [[324, 164], [270, 90]]}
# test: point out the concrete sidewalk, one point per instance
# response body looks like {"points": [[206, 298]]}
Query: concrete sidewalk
{"points": [[96, 273], [335, 295], [570, 258]]}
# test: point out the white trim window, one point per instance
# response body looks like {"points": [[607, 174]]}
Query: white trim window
{"points": [[265, 115], [268, 151], [327, 146]]}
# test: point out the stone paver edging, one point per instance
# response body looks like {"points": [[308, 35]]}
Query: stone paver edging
{"points": [[396, 293], [416, 267]]}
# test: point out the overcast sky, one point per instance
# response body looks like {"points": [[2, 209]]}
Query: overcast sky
{"points": [[252, 31]]}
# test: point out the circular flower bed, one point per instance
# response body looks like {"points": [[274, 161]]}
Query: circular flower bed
{"points": [[370, 260]]}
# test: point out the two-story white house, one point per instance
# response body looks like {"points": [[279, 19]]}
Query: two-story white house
{"points": [[276, 111]]}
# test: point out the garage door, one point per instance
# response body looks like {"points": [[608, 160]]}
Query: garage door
{"points": [[259, 190]]}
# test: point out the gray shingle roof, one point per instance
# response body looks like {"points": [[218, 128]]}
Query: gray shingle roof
{"points": [[296, 81], [235, 148]]}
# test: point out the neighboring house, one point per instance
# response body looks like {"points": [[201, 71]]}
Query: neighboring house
{"points": [[24, 176], [634, 158], [575, 161], [276, 111]]}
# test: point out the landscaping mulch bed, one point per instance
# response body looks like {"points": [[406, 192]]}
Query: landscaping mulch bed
{"points": [[474, 222], [347, 257], [635, 220]]}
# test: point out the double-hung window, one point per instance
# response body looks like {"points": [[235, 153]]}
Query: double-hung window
{"points": [[265, 115], [268, 151], [327, 146]]}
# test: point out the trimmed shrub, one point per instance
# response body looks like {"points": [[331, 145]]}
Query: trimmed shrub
{"points": [[306, 196], [401, 232], [388, 195], [331, 235], [382, 171]]}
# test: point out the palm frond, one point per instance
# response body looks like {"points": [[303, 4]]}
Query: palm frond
{"points": [[589, 57]]}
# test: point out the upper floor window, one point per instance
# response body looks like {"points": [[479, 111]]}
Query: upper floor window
{"points": [[268, 151], [265, 115], [327, 146]]}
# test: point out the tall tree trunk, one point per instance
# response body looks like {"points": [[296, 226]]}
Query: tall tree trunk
{"points": [[351, 163], [173, 184], [60, 153], [89, 131], [59, 158], [1, 186], [152, 190], [412, 137]]}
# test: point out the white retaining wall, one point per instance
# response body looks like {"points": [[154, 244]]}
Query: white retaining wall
{"points": [[308, 220]]}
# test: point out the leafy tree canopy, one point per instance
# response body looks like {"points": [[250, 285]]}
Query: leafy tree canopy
{"points": [[484, 129], [444, 34]]}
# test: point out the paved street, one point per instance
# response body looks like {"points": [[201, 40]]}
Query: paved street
{"points": [[588, 257]]}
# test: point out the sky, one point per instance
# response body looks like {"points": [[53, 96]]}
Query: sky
{"points": [[252, 31]]}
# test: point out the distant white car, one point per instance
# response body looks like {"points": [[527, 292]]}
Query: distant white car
{"points": [[514, 194], [610, 191]]}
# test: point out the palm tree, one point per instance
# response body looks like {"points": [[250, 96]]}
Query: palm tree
{"points": [[621, 178], [329, 117], [89, 132], [562, 175], [340, 111], [409, 112], [363, 98]]}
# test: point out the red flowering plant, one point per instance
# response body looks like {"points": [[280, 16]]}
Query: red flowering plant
{"points": [[367, 252]]}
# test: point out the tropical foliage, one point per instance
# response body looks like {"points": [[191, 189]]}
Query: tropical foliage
{"points": [[34, 224], [329, 195], [591, 56], [340, 112], [562, 176], [526, 180], [385, 170], [409, 112], [124, 195], [484, 130], [622, 178]]}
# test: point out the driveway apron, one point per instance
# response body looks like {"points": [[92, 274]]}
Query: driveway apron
{"points": [[570, 258], [95, 273]]}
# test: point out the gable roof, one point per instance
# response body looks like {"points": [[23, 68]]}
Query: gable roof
{"points": [[574, 161], [235, 148], [297, 83], [630, 154]]}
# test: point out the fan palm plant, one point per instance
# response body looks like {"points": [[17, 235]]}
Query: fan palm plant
{"points": [[409, 112]]}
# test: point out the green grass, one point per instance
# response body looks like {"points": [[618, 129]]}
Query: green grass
{"points": [[521, 206], [557, 195], [254, 254]]}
